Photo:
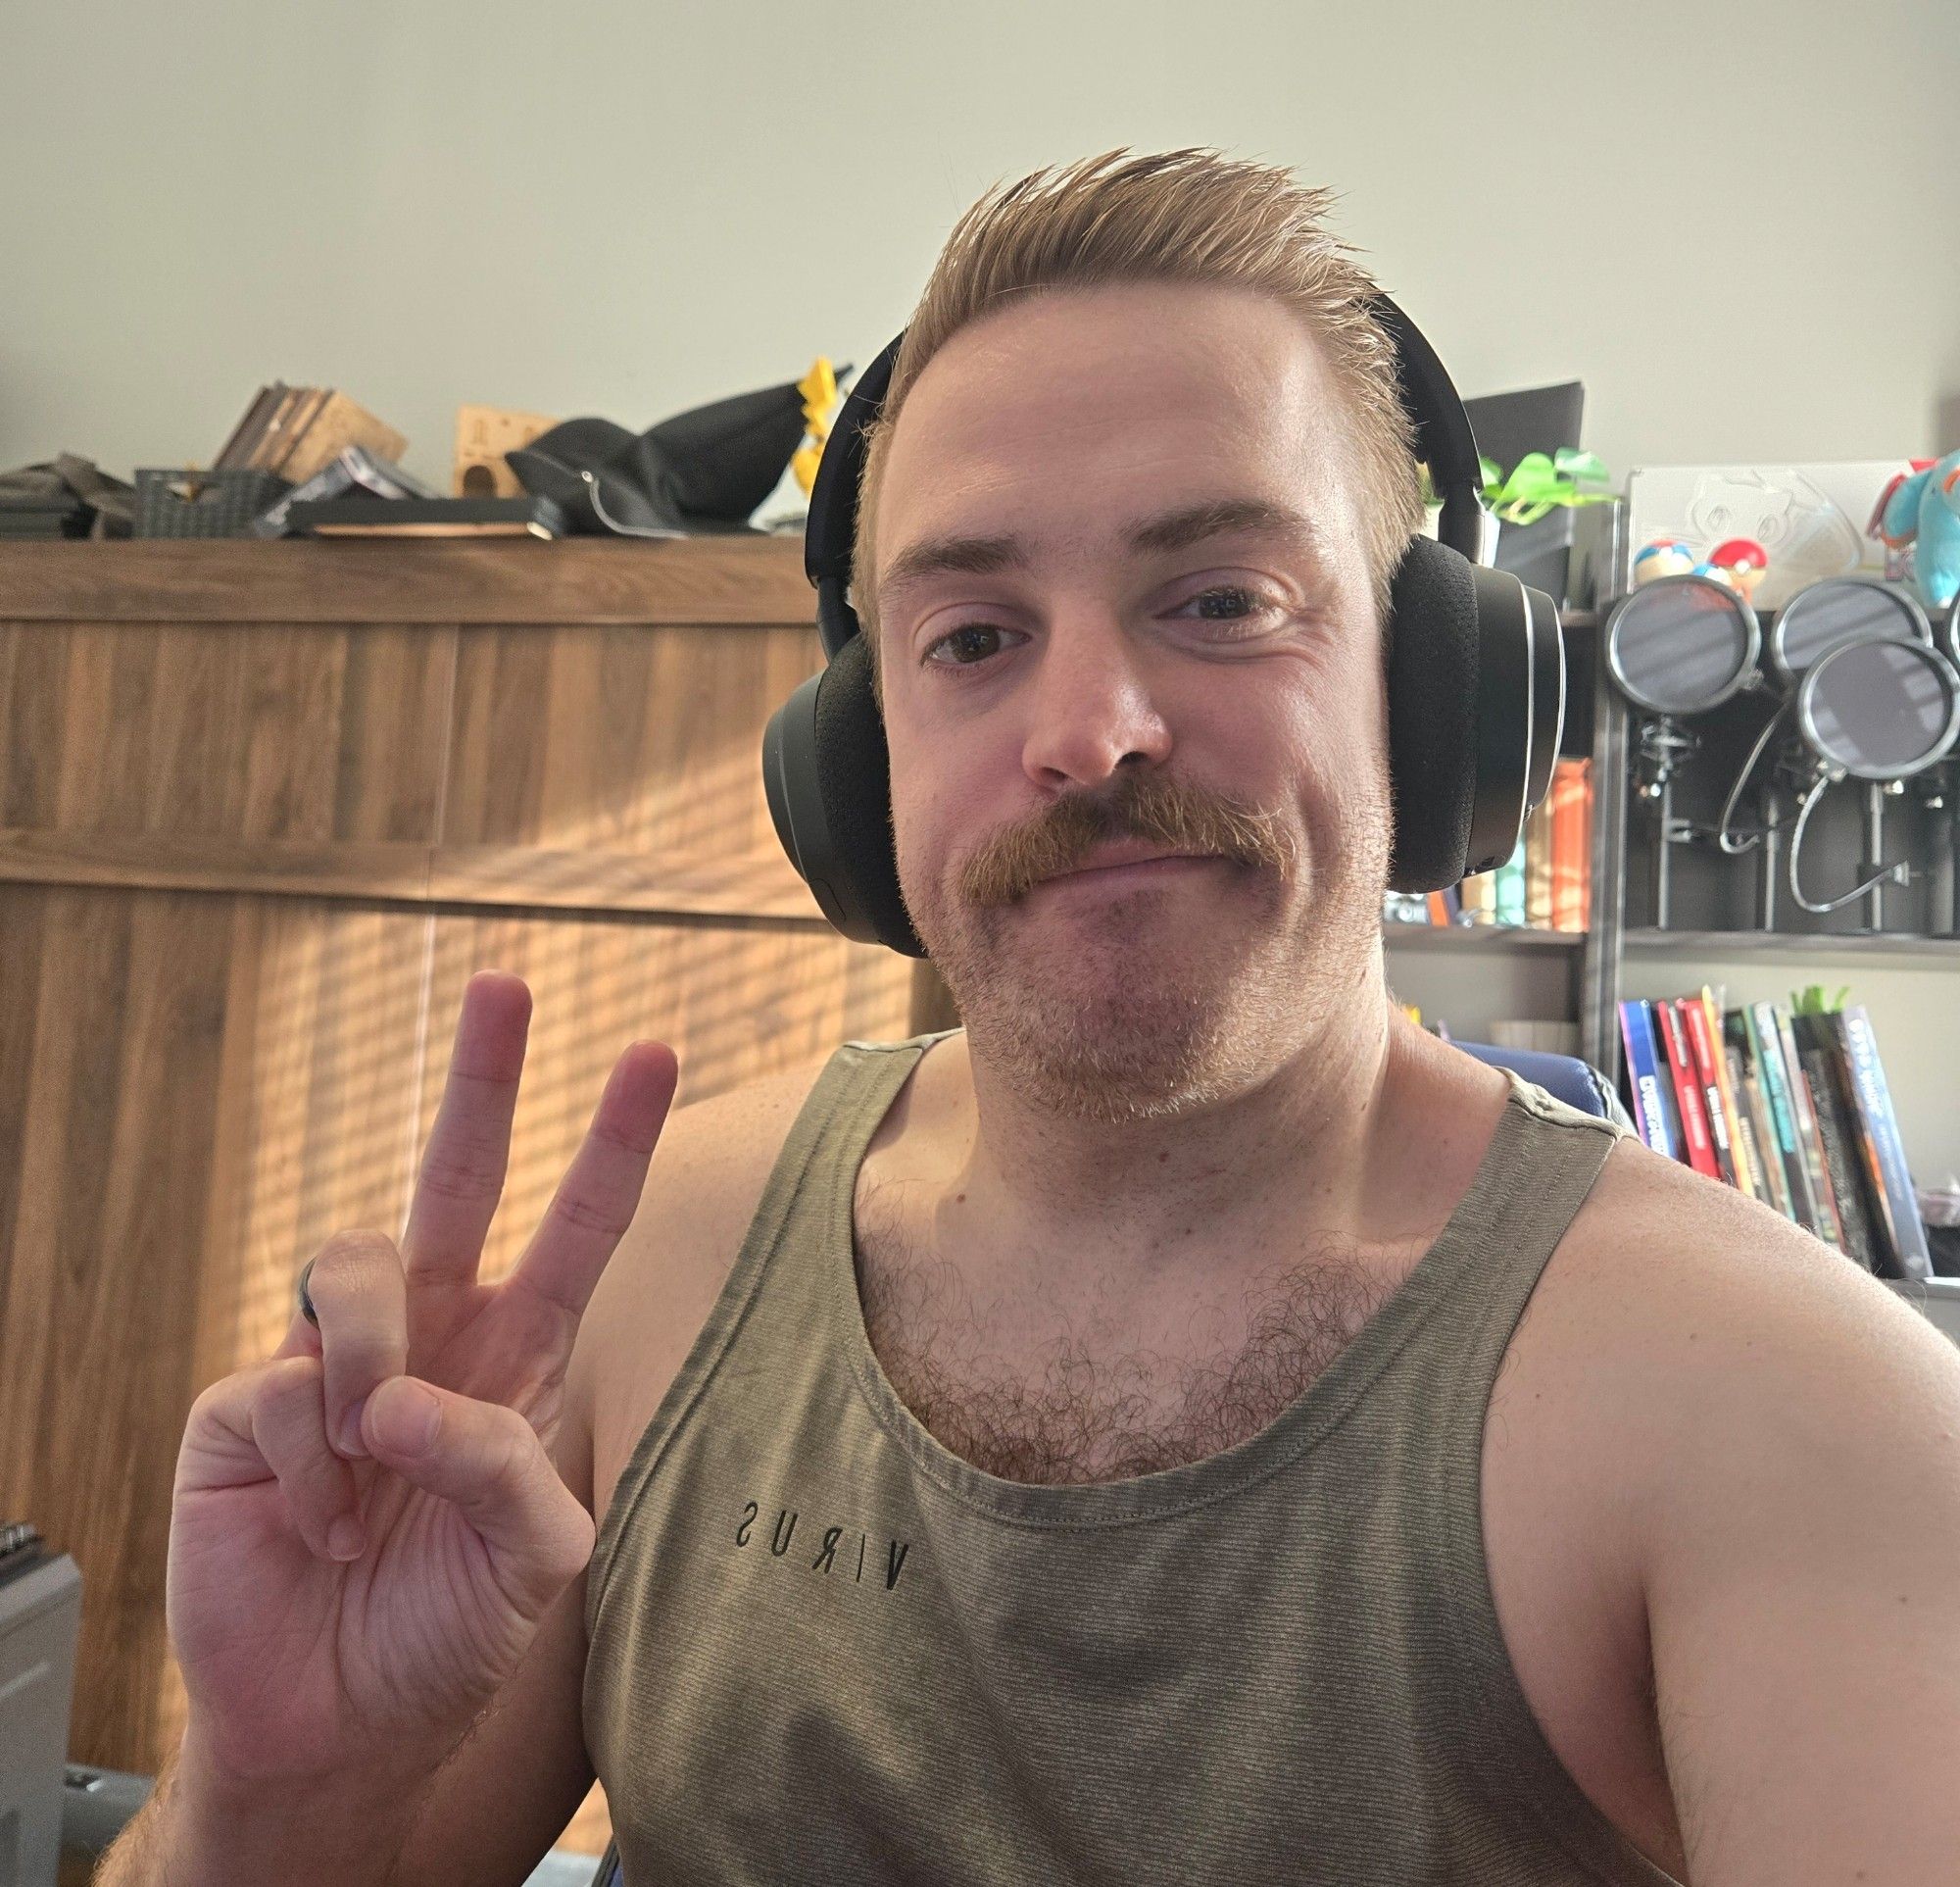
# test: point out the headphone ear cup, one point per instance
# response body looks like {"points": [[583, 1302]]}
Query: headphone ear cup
{"points": [[1433, 686], [828, 774]]}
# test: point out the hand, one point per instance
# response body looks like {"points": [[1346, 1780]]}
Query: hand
{"points": [[368, 1529]]}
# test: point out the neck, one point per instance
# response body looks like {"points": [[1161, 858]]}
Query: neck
{"points": [[1314, 1153]]}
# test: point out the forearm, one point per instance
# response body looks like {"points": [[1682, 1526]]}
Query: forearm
{"points": [[196, 1830]]}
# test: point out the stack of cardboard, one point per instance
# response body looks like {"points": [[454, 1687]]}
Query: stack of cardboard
{"points": [[296, 431]]}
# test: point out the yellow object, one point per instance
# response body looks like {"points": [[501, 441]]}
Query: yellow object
{"points": [[819, 388]]}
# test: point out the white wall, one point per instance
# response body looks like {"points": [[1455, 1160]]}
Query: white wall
{"points": [[1735, 222]]}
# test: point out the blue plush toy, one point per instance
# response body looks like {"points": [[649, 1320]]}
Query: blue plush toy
{"points": [[1927, 507]]}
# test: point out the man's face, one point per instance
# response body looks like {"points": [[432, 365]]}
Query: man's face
{"points": [[1206, 690]]}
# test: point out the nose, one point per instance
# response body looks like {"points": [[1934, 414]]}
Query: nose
{"points": [[1093, 705]]}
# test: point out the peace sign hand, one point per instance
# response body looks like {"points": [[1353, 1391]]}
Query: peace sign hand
{"points": [[368, 1528]]}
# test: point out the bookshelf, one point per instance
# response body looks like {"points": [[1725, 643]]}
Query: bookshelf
{"points": [[1905, 975]]}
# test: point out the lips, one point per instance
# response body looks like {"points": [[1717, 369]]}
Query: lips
{"points": [[1115, 855]]}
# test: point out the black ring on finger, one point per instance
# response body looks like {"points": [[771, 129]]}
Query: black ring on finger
{"points": [[306, 1302]]}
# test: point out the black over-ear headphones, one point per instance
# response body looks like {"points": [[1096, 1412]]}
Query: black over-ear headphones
{"points": [[1476, 683]]}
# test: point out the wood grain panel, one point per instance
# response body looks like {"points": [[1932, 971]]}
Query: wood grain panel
{"points": [[734, 579], [263, 809]]}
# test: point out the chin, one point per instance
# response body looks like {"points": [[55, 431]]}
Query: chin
{"points": [[1116, 1035]]}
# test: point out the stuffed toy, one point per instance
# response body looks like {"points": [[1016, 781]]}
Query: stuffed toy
{"points": [[1924, 508]]}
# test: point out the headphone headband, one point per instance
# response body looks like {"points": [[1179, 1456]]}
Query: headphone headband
{"points": [[1445, 443]]}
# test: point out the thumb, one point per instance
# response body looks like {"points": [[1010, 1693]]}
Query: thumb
{"points": [[488, 1463]]}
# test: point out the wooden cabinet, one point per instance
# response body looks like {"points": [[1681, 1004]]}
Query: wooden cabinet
{"points": [[263, 809]]}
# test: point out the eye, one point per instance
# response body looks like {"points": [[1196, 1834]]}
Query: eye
{"points": [[965, 636], [1230, 602], [1224, 603]]}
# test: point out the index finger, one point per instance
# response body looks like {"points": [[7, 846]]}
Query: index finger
{"points": [[468, 1151]]}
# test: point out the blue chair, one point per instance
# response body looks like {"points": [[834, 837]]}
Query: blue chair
{"points": [[1565, 1077]]}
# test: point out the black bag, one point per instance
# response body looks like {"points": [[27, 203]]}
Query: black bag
{"points": [[704, 471]]}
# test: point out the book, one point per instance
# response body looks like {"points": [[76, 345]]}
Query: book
{"points": [[233, 452], [1801, 1104], [1731, 1114], [1507, 886], [1817, 1050], [1689, 1107], [1644, 1075], [276, 434], [1538, 865], [366, 516], [1708, 1088], [1766, 1046], [1880, 1144], [354, 468], [1570, 842], [1478, 893], [1772, 1182], [311, 400], [337, 424]]}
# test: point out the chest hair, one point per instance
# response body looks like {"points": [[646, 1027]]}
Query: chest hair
{"points": [[1032, 1395]]}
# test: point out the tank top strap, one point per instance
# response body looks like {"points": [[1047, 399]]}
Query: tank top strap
{"points": [[1544, 1159], [798, 1205]]}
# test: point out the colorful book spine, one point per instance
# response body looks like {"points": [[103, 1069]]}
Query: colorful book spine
{"points": [[1708, 1086], [1827, 1227], [1691, 1109], [1643, 1077], [1816, 1049], [1508, 887], [1764, 1044], [1570, 797], [1731, 1114], [1886, 1152], [1772, 1182], [1538, 865]]}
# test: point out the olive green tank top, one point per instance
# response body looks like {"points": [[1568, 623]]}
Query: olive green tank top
{"points": [[824, 1646]]}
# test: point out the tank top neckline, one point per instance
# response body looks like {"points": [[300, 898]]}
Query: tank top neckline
{"points": [[1313, 1414]]}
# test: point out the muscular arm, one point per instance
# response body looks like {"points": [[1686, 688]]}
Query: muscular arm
{"points": [[1804, 1573]]}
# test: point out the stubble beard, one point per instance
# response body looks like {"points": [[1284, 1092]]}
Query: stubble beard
{"points": [[1132, 1024]]}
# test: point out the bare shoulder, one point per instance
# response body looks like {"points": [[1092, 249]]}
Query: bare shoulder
{"points": [[1689, 1322], [706, 1177]]}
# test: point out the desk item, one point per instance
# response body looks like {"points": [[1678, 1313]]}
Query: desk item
{"points": [[40, 1613], [371, 517], [483, 436], [179, 502]]}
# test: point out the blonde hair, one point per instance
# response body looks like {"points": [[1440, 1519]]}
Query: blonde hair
{"points": [[1192, 215]]}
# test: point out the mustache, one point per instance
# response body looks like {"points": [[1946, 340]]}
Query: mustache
{"points": [[1150, 807]]}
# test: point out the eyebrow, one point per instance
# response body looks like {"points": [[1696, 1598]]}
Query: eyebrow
{"points": [[1170, 531]]}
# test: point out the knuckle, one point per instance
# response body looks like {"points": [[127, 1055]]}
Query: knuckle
{"points": [[511, 1449], [591, 1216], [462, 1166], [349, 1263], [350, 1258]]}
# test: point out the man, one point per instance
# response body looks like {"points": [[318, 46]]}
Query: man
{"points": [[1189, 1423]]}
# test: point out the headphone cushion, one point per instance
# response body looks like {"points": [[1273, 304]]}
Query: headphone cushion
{"points": [[853, 777], [1431, 686]]}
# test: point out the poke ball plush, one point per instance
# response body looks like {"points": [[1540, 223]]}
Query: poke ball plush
{"points": [[1718, 573], [1745, 562], [1664, 556]]}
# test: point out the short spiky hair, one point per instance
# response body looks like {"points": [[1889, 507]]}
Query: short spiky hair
{"points": [[1192, 215]]}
